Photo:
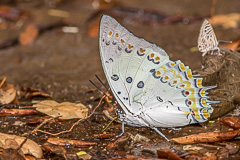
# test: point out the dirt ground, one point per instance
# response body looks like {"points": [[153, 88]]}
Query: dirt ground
{"points": [[63, 63]]}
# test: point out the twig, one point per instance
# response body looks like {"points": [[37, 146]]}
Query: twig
{"points": [[55, 134], [40, 125], [3, 81]]}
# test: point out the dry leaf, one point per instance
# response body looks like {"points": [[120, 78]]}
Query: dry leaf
{"points": [[67, 142], [10, 153], [65, 110], [12, 141], [32, 92], [166, 153], [232, 122], [226, 20], [29, 35], [206, 137], [59, 150], [7, 94]]}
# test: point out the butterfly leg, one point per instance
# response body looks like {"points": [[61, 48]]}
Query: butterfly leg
{"points": [[123, 123], [160, 133]]}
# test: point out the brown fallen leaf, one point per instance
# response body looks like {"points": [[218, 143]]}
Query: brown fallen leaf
{"points": [[166, 153], [206, 137], [17, 112], [7, 94], [67, 142], [232, 122], [32, 92], [13, 141], [58, 150], [28, 35], [65, 110], [226, 20]]}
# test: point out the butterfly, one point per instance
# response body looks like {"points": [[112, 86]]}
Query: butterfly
{"points": [[152, 90], [207, 41]]}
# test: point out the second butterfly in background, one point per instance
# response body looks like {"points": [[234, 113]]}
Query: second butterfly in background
{"points": [[207, 41]]}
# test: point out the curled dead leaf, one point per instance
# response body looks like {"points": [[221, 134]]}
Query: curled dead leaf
{"points": [[32, 92], [206, 137], [12, 141], [7, 94], [59, 150], [65, 110]]}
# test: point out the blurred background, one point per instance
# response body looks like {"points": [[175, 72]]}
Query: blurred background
{"points": [[53, 44]]}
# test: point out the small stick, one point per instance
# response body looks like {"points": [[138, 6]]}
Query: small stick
{"points": [[3, 81], [55, 134]]}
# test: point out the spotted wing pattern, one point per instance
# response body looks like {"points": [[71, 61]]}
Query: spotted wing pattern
{"points": [[207, 41], [152, 90]]}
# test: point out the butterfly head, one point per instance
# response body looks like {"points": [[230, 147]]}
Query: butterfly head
{"points": [[120, 114]]}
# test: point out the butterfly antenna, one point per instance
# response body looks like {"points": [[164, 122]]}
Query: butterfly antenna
{"points": [[99, 89], [101, 82]]}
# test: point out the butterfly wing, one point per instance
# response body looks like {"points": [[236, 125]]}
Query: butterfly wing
{"points": [[207, 40], [124, 59], [145, 82]]}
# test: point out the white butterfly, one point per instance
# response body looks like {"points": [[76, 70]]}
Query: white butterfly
{"points": [[207, 41], [152, 90]]}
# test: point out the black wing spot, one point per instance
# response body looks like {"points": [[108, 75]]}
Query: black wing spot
{"points": [[110, 59], [129, 79], [140, 84], [170, 103], [114, 77], [159, 99], [119, 92]]}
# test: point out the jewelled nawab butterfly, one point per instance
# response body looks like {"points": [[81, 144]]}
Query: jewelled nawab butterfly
{"points": [[207, 41], [152, 90]]}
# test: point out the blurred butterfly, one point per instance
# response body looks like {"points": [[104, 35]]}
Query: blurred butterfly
{"points": [[207, 41], [152, 90]]}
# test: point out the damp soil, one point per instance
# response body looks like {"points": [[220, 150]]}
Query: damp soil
{"points": [[63, 63]]}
